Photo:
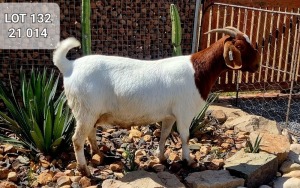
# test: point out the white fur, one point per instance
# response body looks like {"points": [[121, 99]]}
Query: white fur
{"points": [[124, 91]]}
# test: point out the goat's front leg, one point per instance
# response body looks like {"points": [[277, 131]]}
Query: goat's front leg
{"points": [[166, 127], [79, 137], [183, 129]]}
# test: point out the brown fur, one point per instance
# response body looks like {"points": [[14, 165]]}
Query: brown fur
{"points": [[209, 63]]}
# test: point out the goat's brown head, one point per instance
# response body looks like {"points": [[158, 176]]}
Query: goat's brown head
{"points": [[238, 51]]}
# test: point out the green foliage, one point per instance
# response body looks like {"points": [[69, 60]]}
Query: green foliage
{"points": [[198, 122], [86, 27], [41, 122], [176, 30], [129, 156], [253, 148]]}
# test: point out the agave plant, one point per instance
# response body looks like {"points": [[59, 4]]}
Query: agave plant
{"points": [[42, 122], [198, 122], [253, 148]]}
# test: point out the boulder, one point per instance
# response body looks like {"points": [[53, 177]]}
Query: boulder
{"points": [[256, 168], [294, 153], [284, 182], [213, 179], [288, 166], [144, 179], [219, 115], [278, 145]]}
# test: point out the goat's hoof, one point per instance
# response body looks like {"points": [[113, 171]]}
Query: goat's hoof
{"points": [[84, 170]]}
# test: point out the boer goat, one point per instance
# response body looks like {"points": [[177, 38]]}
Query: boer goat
{"points": [[129, 92]]}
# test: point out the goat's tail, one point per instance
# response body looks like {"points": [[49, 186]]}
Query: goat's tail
{"points": [[59, 55]]}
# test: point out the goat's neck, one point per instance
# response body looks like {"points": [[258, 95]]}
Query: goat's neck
{"points": [[208, 65]]}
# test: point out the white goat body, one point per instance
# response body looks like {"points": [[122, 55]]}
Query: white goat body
{"points": [[122, 91]]}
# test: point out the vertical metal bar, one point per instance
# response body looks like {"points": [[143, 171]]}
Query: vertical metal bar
{"points": [[295, 46], [293, 67], [269, 48], [275, 49], [298, 59], [287, 52], [231, 24], [257, 38], [263, 46], [217, 23], [281, 48], [197, 26], [224, 25], [209, 26], [244, 31]]}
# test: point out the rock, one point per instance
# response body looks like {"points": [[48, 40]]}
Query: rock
{"points": [[1, 157], [219, 115], [9, 148], [204, 150], [195, 146], [23, 160], [97, 159], [246, 123], [116, 167], [147, 138], [44, 163], [65, 186], [288, 166], [218, 162], [75, 178], [256, 168], [85, 182], [58, 175], [268, 126], [144, 179], [119, 175], [226, 145], [7, 184], [213, 179], [250, 123], [12, 176], [273, 144], [294, 153], [156, 132], [63, 180], [283, 182], [174, 157], [295, 174], [45, 177], [158, 167], [133, 133], [69, 172], [153, 161], [3, 173], [72, 165]]}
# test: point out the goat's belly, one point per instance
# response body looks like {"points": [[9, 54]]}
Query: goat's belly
{"points": [[126, 122]]}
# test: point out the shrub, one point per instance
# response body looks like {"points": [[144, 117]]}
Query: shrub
{"points": [[198, 122], [42, 122]]}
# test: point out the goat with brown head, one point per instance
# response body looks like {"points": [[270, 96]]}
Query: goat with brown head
{"points": [[234, 51]]}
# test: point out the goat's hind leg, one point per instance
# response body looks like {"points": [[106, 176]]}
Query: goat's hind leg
{"points": [[82, 132], [167, 125], [93, 141]]}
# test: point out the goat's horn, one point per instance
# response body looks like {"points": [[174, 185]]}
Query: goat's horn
{"points": [[223, 30], [234, 29]]}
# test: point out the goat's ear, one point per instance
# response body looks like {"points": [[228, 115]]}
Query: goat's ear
{"points": [[232, 56]]}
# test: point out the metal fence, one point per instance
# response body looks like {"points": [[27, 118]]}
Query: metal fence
{"points": [[142, 29], [275, 33]]}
